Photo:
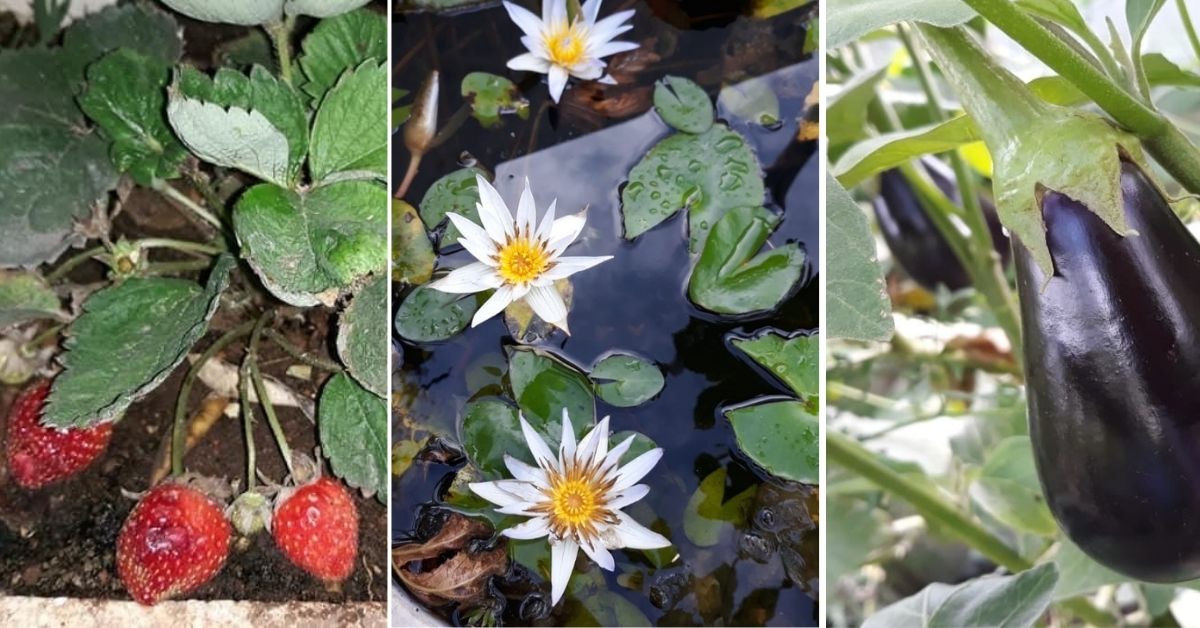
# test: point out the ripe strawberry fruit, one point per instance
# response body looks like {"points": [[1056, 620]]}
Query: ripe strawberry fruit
{"points": [[316, 527], [38, 455], [175, 540]]}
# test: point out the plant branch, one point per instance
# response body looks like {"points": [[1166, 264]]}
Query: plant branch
{"points": [[1189, 27], [72, 263], [303, 356], [281, 35], [260, 388], [179, 245], [164, 188], [179, 433]]}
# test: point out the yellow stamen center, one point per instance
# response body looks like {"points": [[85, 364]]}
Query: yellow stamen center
{"points": [[575, 502], [522, 260], [565, 44]]}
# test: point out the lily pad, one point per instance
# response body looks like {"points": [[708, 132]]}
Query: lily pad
{"points": [[26, 297], [782, 436], [430, 315], [489, 429], [706, 174], [127, 341], [456, 192], [354, 435], [707, 513], [732, 277], [412, 252], [751, 100], [362, 336], [683, 104], [625, 380], [544, 385], [795, 361], [339, 44], [491, 96]]}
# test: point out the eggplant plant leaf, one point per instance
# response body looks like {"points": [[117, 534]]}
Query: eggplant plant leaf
{"points": [[683, 104], [795, 361], [1015, 601], [732, 276], [857, 305], [456, 192], [544, 386], [846, 113], [430, 315], [25, 297], [127, 341], [339, 44], [888, 150], [353, 425], [412, 252], [625, 380], [362, 336], [1008, 488], [781, 436], [847, 20], [350, 131]]}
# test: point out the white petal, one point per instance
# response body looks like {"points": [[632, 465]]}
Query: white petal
{"points": [[524, 19], [529, 62], [493, 492], [474, 239], [567, 266], [614, 456], [589, 70], [532, 529], [613, 47], [554, 11], [525, 472], [526, 211], [565, 230], [525, 509], [548, 304], [633, 494], [601, 442], [562, 563], [637, 469], [558, 81], [607, 28], [547, 225], [591, 9], [472, 278], [587, 447], [634, 535], [494, 305], [607, 80], [599, 555], [541, 452], [493, 212], [568, 437]]}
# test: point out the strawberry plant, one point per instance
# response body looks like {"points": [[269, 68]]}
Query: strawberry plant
{"points": [[176, 223]]}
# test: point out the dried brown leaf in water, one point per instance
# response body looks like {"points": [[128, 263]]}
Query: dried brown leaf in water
{"points": [[454, 535], [463, 576]]}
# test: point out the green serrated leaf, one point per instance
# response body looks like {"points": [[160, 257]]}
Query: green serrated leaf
{"points": [[782, 436], [362, 336], [259, 92], [732, 277], [26, 297], [127, 341], [544, 385], [847, 20], [412, 252], [456, 192], [339, 44], [307, 248], [350, 131], [429, 315], [243, 12], [139, 27], [125, 96], [707, 174], [232, 137], [683, 104], [354, 435], [1015, 601], [795, 361], [491, 96], [321, 8], [857, 305], [883, 152], [625, 380]]}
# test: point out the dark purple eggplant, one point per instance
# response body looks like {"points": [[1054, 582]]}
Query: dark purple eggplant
{"points": [[914, 239], [1112, 365]]}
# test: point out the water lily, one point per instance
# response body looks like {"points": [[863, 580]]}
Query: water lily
{"points": [[559, 47], [575, 498], [520, 258]]}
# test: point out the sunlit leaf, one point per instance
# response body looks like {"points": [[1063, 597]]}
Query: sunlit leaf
{"points": [[412, 252], [491, 96], [708, 514], [847, 20]]}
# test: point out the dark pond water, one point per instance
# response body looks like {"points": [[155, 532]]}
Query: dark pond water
{"points": [[634, 303]]}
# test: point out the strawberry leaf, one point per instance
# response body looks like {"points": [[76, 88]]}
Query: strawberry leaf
{"points": [[354, 434], [339, 44], [362, 336]]}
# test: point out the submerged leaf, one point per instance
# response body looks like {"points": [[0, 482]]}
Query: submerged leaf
{"points": [[490, 96], [732, 277], [412, 252], [708, 514]]}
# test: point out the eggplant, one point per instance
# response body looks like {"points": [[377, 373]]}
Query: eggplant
{"points": [[1112, 368], [914, 239]]}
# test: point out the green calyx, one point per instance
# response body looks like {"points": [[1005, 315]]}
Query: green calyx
{"points": [[1035, 146]]}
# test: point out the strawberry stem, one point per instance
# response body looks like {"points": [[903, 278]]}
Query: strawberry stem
{"points": [[282, 342], [179, 433], [260, 387]]}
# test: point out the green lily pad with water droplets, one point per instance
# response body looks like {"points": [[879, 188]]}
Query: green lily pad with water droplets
{"points": [[683, 104], [782, 436], [430, 315], [732, 277], [544, 385], [491, 96], [625, 380], [456, 192], [795, 361], [706, 174]]}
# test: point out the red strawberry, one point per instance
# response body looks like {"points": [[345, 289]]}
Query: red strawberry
{"points": [[316, 526], [39, 455], [175, 540]]}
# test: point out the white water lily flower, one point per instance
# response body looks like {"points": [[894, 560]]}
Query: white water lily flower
{"points": [[519, 258], [560, 48], [575, 499]]}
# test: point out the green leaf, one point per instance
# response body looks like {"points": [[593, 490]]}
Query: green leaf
{"points": [[350, 131], [232, 138], [127, 341], [321, 8], [412, 252], [707, 514], [858, 530], [886, 151], [1139, 14], [706, 174], [763, 9], [752, 100], [1162, 71], [1015, 601], [243, 12], [430, 315], [544, 385], [50, 172], [456, 192], [781, 436], [640, 445], [491, 96], [362, 339], [625, 380], [354, 435], [138, 27], [847, 20], [857, 306], [846, 113], [307, 248], [126, 96], [339, 44], [794, 361], [683, 104], [1008, 488], [27, 297], [489, 429], [262, 93], [732, 277], [1078, 574]]}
